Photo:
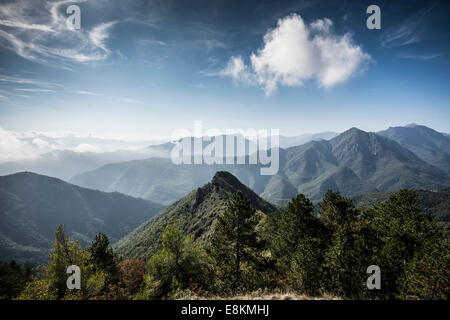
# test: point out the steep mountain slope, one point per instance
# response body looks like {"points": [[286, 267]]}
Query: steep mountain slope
{"points": [[355, 162], [32, 206], [279, 191], [428, 144], [196, 213]]}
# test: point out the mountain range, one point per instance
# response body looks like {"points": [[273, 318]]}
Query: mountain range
{"points": [[71, 155], [154, 191], [354, 162], [32, 206]]}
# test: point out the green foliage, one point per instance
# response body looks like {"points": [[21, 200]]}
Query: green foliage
{"points": [[53, 285], [349, 252], [13, 278], [294, 249], [297, 244], [406, 236], [37, 289], [427, 275], [235, 246], [335, 210], [104, 259], [64, 254], [433, 202], [176, 266]]}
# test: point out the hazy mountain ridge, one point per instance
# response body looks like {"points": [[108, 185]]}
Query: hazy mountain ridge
{"points": [[428, 144], [354, 162], [292, 141], [73, 155], [32, 206], [64, 164]]}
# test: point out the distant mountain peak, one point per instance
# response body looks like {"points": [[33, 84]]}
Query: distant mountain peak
{"points": [[353, 131]]}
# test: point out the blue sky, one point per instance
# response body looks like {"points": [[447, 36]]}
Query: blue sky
{"points": [[146, 68]]}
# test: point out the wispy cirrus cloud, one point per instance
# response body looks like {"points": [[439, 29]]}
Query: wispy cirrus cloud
{"points": [[34, 90], [37, 31], [421, 56], [28, 85], [409, 31], [97, 94], [27, 81], [88, 93]]}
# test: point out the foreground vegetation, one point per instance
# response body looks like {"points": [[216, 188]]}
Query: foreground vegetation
{"points": [[297, 250]]}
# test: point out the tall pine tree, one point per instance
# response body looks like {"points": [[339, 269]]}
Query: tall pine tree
{"points": [[297, 245], [236, 246]]}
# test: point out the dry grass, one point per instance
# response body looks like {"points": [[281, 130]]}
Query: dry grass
{"points": [[258, 295], [278, 296]]}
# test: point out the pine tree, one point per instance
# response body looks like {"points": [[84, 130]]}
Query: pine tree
{"points": [[297, 245], [104, 258], [413, 247], [236, 246], [350, 247]]}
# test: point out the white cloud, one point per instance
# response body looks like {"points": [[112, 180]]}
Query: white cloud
{"points": [[12, 148], [17, 145], [322, 25], [42, 145], [294, 52], [85, 147], [237, 70]]}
